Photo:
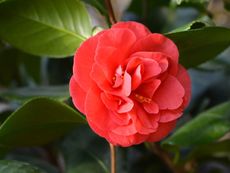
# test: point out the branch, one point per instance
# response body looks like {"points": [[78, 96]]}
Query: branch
{"points": [[109, 6], [164, 156]]}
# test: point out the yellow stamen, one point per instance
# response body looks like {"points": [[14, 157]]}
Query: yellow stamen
{"points": [[142, 99]]}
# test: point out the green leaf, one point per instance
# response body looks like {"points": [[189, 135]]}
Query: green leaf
{"points": [[18, 67], [179, 2], [207, 127], [52, 28], [2, 1], [99, 4], [199, 45], [87, 167], [38, 122], [10, 166], [199, 23], [89, 158], [210, 149], [24, 94]]}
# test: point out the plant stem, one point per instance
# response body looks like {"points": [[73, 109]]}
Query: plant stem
{"points": [[164, 156], [54, 158], [113, 158], [109, 6]]}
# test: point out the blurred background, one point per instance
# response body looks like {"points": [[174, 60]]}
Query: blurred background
{"points": [[23, 77]]}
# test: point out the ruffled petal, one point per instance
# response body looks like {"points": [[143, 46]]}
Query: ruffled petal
{"points": [[126, 106], [96, 112], [138, 29], [149, 88], [113, 47], [101, 132], [117, 104], [120, 119], [83, 61], [157, 43], [136, 78], [154, 63], [185, 81], [126, 130], [169, 94], [78, 95], [151, 107], [151, 69], [100, 79], [142, 121], [167, 115], [163, 130], [126, 141]]}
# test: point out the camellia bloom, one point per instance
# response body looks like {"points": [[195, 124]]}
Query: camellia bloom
{"points": [[128, 83]]}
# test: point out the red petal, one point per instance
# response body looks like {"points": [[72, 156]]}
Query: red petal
{"points": [[149, 88], [136, 78], [117, 104], [184, 79], [126, 107], [106, 60], [151, 107], [126, 141], [109, 102], [96, 112], [78, 95], [153, 62], [127, 85], [143, 123], [167, 115], [83, 61], [101, 132], [157, 43], [151, 69], [163, 130], [138, 29], [120, 119], [100, 79], [169, 94], [125, 130], [113, 47]]}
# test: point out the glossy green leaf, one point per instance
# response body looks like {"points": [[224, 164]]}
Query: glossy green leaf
{"points": [[23, 94], [10, 166], [207, 127], [52, 28], [199, 23], [38, 122], [199, 45]]}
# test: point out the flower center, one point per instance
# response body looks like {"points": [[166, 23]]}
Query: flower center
{"points": [[142, 99], [118, 77]]}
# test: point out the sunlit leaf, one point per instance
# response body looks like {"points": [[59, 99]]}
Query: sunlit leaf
{"points": [[52, 28]]}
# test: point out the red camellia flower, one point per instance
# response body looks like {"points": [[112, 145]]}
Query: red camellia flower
{"points": [[128, 83]]}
